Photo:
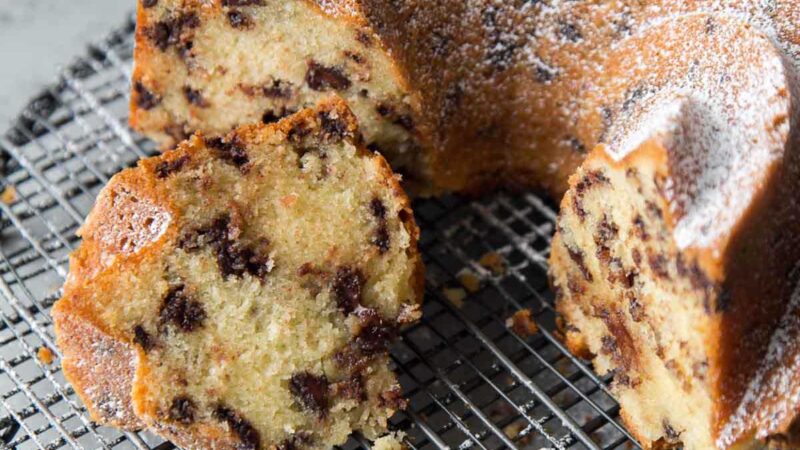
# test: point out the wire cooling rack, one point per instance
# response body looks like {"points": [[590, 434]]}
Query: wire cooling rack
{"points": [[472, 383]]}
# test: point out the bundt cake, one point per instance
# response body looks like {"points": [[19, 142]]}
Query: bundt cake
{"points": [[240, 292]]}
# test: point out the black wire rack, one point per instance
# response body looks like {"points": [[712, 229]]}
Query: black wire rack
{"points": [[472, 382]]}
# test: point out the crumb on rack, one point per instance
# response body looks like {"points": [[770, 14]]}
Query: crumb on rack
{"points": [[455, 295], [494, 262], [45, 355], [522, 323], [9, 194], [468, 279], [518, 431], [392, 441]]}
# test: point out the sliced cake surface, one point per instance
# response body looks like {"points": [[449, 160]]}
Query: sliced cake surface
{"points": [[242, 291]]}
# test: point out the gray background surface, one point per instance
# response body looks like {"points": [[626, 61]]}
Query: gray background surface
{"points": [[39, 36]]}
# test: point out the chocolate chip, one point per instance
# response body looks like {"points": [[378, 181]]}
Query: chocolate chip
{"points": [[669, 431], [358, 58], [377, 208], [323, 78], [609, 344], [242, 2], [363, 37], [233, 258], [210, 234], [711, 26], [311, 392], [570, 32], [640, 228], [231, 151], [270, 116], [389, 112], [591, 179], [346, 288], [177, 131], [238, 19], [502, 45], [577, 257], [278, 89], [618, 275], [149, 3], [166, 168], [181, 311], [195, 97], [145, 98], [159, 33], [577, 206], [635, 308], [376, 333], [575, 287], [658, 264], [236, 259], [576, 145], [382, 238], [334, 128], [384, 110], [607, 231], [296, 441], [169, 32], [243, 429], [654, 209], [142, 338], [185, 50], [182, 410], [373, 338], [545, 74]]}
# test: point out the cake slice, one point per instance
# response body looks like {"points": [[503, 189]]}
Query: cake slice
{"points": [[241, 292]]}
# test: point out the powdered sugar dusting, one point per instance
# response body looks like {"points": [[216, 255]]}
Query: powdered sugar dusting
{"points": [[774, 393], [722, 124]]}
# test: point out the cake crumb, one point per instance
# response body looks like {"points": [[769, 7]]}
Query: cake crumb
{"points": [[513, 429], [45, 355], [522, 324], [392, 441], [469, 280], [519, 432], [455, 295], [494, 262], [9, 194]]}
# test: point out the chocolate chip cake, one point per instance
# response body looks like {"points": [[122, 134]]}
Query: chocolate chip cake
{"points": [[242, 291]]}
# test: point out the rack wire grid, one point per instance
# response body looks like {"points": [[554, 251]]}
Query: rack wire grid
{"points": [[471, 381]]}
